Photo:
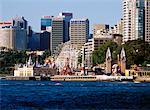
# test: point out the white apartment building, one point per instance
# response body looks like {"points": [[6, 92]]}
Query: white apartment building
{"points": [[88, 52], [147, 21], [133, 19]]}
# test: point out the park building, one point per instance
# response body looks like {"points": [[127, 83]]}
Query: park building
{"points": [[115, 69], [141, 74], [31, 69], [24, 70]]}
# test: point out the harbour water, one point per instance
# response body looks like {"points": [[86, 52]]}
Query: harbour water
{"points": [[46, 95]]}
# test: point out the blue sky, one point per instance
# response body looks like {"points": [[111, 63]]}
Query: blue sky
{"points": [[98, 11]]}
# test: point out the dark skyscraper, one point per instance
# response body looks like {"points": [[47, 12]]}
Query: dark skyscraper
{"points": [[57, 32], [45, 41], [67, 17], [34, 41]]}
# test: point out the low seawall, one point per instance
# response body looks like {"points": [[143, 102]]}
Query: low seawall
{"points": [[81, 78], [23, 78], [142, 79]]}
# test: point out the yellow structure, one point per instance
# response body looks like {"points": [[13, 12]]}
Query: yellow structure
{"points": [[129, 72], [123, 61], [24, 71]]}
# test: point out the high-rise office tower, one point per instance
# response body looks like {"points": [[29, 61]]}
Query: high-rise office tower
{"points": [[67, 17], [45, 39], [133, 18], [46, 23], [6, 37], [20, 39], [13, 38], [34, 41], [20, 25], [139, 22], [13, 34], [79, 31], [57, 34], [20, 22], [147, 21]]}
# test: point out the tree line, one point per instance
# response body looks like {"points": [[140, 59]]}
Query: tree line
{"points": [[9, 58], [137, 52]]}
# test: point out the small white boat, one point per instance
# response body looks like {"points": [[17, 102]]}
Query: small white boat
{"points": [[136, 82], [58, 84]]}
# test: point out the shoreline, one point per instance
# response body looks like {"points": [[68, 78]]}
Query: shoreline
{"points": [[99, 78]]}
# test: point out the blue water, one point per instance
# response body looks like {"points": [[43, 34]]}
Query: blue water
{"points": [[45, 95]]}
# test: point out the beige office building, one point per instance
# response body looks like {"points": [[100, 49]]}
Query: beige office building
{"points": [[79, 31], [13, 38], [147, 21], [7, 37], [118, 28], [100, 28], [101, 39]]}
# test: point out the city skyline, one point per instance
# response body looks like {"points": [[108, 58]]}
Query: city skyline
{"points": [[99, 11]]}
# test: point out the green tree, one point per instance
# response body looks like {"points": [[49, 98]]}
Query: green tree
{"points": [[99, 55], [137, 52], [46, 54]]}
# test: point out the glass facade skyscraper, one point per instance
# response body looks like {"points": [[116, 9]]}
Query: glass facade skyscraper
{"points": [[67, 17], [20, 22], [139, 25], [46, 23]]}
